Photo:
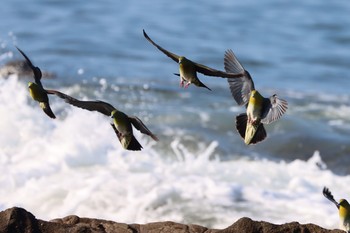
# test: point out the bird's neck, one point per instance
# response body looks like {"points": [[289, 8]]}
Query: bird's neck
{"points": [[256, 99]]}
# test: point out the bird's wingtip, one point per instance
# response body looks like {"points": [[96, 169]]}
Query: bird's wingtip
{"points": [[145, 34]]}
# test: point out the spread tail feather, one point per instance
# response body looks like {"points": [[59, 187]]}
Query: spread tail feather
{"points": [[134, 144], [241, 126]]}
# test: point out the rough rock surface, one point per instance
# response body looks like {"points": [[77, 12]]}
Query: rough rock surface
{"points": [[15, 220]]}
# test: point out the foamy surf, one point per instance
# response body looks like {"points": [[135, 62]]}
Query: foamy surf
{"points": [[75, 165]]}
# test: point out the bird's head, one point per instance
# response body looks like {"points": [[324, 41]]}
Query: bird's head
{"points": [[344, 203], [182, 59], [31, 85], [113, 113]]}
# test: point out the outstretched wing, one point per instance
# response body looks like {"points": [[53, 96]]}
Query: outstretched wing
{"points": [[240, 87], [217, 73], [100, 106], [166, 52], [273, 109], [329, 196], [138, 124], [36, 70]]}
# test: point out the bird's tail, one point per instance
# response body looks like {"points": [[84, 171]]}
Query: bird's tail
{"points": [[134, 144], [200, 84], [254, 135], [47, 110]]}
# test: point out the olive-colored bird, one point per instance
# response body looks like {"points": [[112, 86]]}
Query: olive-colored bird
{"points": [[260, 110], [343, 208], [121, 122], [36, 89], [188, 69]]}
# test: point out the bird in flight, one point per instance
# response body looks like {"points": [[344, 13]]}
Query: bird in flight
{"points": [[188, 69], [343, 209], [36, 89], [122, 123], [260, 110]]}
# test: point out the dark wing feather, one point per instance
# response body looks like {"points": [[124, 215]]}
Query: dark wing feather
{"points": [[138, 124], [100, 106], [240, 87], [36, 70], [273, 109], [329, 196], [217, 73], [166, 52]]}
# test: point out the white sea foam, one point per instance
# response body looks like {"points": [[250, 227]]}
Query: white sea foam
{"points": [[75, 165]]}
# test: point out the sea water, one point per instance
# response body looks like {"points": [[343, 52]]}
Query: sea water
{"points": [[200, 171]]}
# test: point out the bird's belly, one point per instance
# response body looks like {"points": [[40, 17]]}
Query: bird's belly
{"points": [[38, 95], [345, 223], [187, 73], [253, 112], [123, 127]]}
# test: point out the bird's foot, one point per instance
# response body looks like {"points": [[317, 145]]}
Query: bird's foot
{"points": [[252, 121], [182, 83], [187, 84]]}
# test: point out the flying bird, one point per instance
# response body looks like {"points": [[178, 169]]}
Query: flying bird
{"points": [[188, 69], [343, 209], [260, 110], [36, 89], [122, 123]]}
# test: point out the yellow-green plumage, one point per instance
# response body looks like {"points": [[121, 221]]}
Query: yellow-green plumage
{"points": [[254, 111], [123, 127], [188, 73], [36, 90], [39, 94], [188, 69], [260, 110], [122, 123], [344, 215], [343, 209]]}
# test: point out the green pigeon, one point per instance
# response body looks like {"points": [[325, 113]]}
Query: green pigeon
{"points": [[122, 123], [343, 209], [188, 69], [36, 89], [260, 110]]}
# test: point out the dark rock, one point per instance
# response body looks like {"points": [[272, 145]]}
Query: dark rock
{"points": [[15, 220]]}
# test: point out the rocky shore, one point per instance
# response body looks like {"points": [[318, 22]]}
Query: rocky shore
{"points": [[16, 219]]}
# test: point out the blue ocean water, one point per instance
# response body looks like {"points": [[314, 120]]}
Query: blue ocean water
{"points": [[200, 171]]}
